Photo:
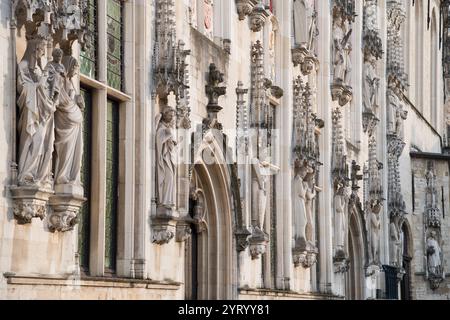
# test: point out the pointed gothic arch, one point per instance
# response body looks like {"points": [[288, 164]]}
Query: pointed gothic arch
{"points": [[213, 236], [405, 285], [357, 253]]}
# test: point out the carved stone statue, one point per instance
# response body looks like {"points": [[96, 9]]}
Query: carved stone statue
{"points": [[56, 74], [341, 49], [395, 244], [36, 122], [310, 196], [393, 107], [374, 231], [401, 116], [299, 201], [434, 255], [304, 22], [165, 163], [262, 201], [340, 201], [68, 128], [371, 84]]}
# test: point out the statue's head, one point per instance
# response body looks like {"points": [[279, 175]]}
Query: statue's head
{"points": [[168, 114], [71, 65], [57, 55]]}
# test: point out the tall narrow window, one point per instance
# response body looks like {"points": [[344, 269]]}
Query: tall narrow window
{"points": [[88, 56], [115, 44], [85, 214], [112, 155]]}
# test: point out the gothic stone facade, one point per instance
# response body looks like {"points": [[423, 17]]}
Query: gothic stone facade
{"points": [[217, 149]]}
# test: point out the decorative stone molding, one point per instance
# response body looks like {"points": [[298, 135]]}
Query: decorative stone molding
{"points": [[304, 254], [258, 243], [258, 17], [183, 231], [169, 63], [341, 262], [307, 60], [370, 122], [163, 229], [245, 7], [65, 209], [214, 91], [242, 238], [29, 203], [341, 93]]}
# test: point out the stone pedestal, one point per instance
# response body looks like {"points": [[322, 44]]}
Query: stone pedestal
{"points": [[30, 202], [258, 243], [304, 254], [164, 226], [65, 205], [341, 93]]}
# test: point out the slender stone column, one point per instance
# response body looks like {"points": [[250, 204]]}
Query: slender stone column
{"points": [[324, 102]]}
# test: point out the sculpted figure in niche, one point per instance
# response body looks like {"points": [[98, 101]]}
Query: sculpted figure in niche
{"points": [[401, 116], [371, 84], [262, 201], [374, 231], [304, 22], [434, 255], [341, 49], [56, 74], [393, 108], [299, 200], [36, 122], [395, 244], [310, 187], [165, 163], [68, 128], [340, 200]]}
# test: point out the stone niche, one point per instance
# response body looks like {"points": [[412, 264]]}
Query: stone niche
{"points": [[422, 201]]}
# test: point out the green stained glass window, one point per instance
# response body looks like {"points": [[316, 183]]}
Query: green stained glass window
{"points": [[84, 215], [88, 56], [112, 173], [115, 43]]}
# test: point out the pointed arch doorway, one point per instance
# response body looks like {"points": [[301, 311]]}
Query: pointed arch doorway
{"points": [[209, 251]]}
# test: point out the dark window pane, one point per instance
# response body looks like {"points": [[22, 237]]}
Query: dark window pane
{"points": [[88, 56], [112, 157], [115, 44], [84, 215]]}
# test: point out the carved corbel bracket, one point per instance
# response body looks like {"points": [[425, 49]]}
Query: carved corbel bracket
{"points": [[372, 270], [258, 17], [309, 64], [341, 262], [183, 231], [341, 93], [163, 229], [245, 7], [30, 202], [304, 254], [303, 57], [65, 209], [258, 243], [242, 238], [370, 122], [299, 54]]}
